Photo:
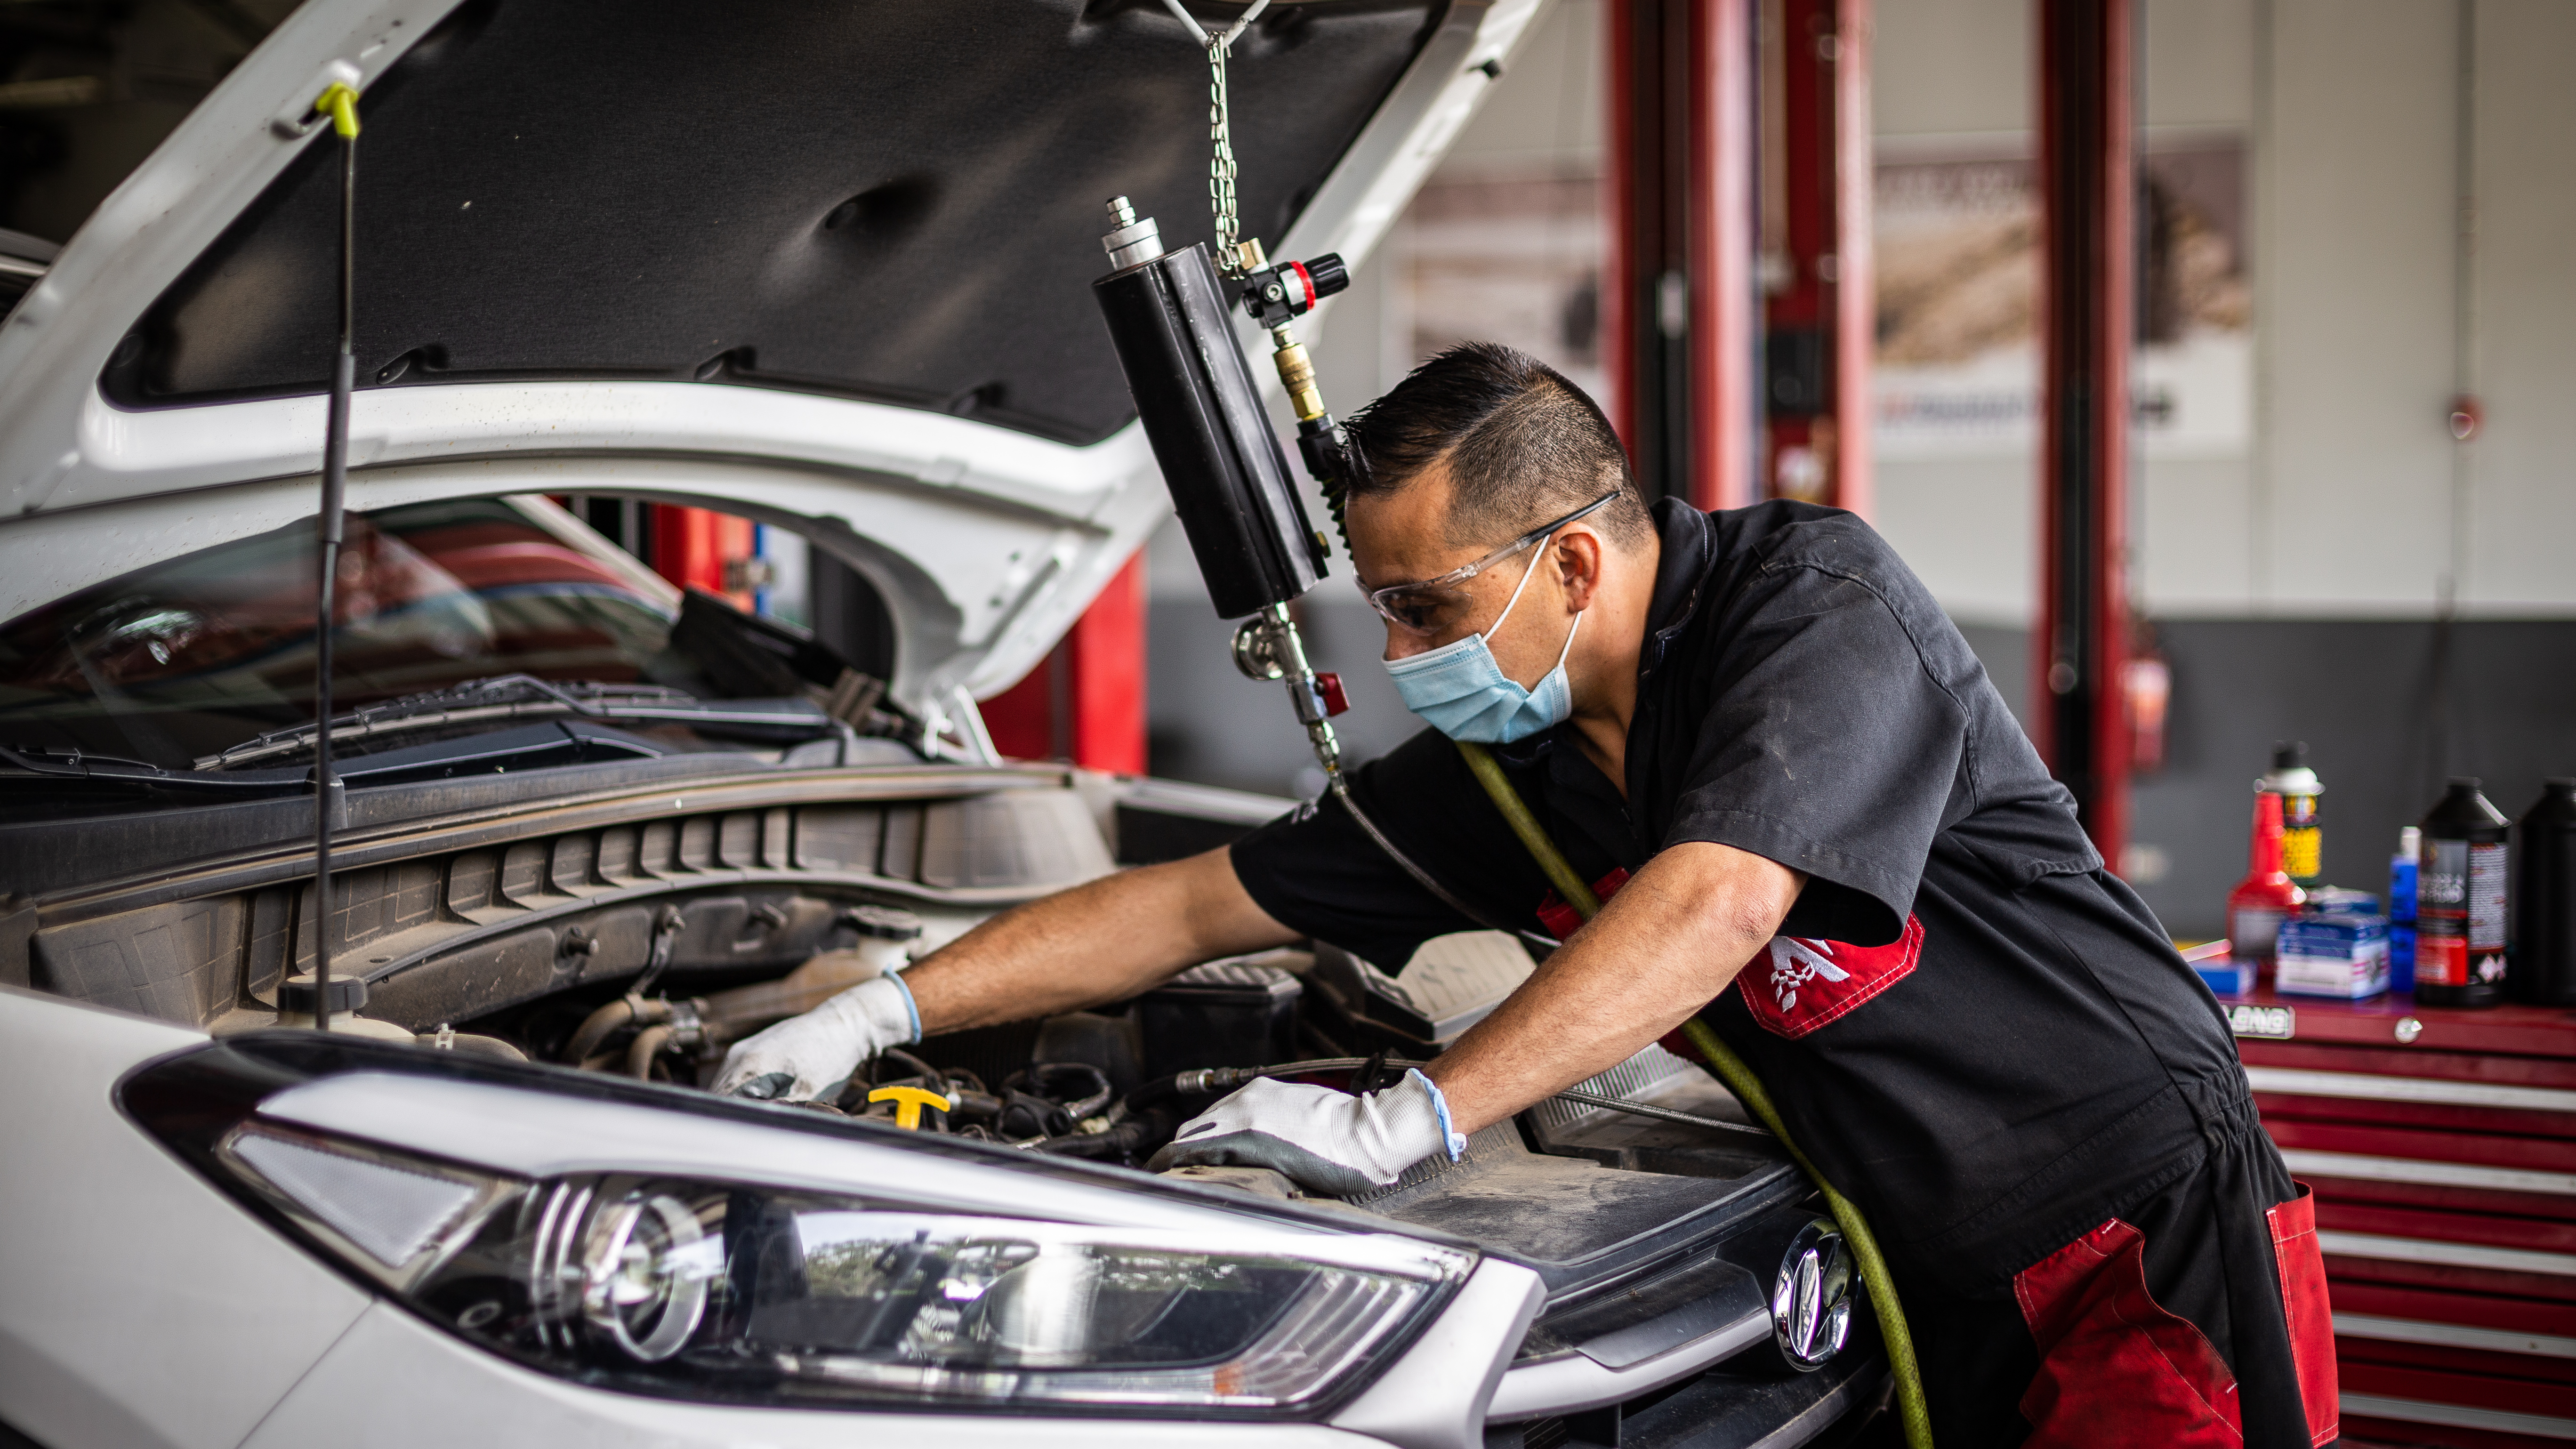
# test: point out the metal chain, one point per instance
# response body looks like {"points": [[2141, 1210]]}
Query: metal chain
{"points": [[1221, 159], [1220, 130]]}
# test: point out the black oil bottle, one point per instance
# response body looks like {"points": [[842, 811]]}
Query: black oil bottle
{"points": [[2460, 901], [2543, 970]]}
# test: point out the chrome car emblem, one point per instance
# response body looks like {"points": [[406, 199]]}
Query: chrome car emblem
{"points": [[1811, 1300]]}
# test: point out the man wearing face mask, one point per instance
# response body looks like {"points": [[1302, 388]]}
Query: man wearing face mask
{"points": [[1816, 827]]}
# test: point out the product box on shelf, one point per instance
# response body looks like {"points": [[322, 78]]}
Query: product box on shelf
{"points": [[2332, 954]]}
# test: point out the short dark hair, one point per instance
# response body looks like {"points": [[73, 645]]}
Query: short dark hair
{"points": [[1522, 443]]}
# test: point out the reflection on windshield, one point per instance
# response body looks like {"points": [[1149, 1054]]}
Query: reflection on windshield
{"points": [[183, 658]]}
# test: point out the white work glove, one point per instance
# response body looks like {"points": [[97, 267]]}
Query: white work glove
{"points": [[1328, 1141], [800, 1057]]}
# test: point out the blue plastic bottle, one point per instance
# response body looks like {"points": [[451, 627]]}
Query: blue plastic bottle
{"points": [[2401, 909]]}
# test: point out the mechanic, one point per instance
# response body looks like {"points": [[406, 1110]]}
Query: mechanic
{"points": [[1827, 837]]}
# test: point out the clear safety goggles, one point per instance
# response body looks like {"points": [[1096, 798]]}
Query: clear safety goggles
{"points": [[1432, 605]]}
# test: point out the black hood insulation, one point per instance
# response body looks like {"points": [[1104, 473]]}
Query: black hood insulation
{"points": [[882, 199]]}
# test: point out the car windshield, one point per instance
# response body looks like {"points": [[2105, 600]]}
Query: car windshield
{"points": [[181, 659]]}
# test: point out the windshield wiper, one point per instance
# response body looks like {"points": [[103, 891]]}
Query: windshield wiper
{"points": [[511, 697], [111, 770]]}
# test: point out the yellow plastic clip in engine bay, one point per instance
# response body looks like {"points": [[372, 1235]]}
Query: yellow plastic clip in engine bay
{"points": [[908, 1102], [342, 104]]}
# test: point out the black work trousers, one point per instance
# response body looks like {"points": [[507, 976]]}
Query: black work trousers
{"points": [[2209, 1258]]}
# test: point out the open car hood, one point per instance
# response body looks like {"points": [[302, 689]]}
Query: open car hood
{"points": [[826, 266]]}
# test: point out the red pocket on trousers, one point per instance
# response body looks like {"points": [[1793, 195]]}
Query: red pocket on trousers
{"points": [[2116, 1369], [2303, 1295]]}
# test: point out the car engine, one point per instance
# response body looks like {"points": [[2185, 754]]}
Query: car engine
{"points": [[640, 930]]}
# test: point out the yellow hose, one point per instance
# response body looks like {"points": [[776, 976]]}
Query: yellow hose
{"points": [[1739, 1079]]}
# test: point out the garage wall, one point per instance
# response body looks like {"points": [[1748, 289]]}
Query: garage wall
{"points": [[2355, 176], [2522, 493], [1955, 79], [2295, 587], [1951, 78], [2346, 503], [2387, 708]]}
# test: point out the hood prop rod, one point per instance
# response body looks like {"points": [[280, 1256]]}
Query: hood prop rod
{"points": [[340, 102]]}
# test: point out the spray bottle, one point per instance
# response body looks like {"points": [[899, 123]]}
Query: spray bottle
{"points": [[2460, 901], [2267, 895], [2401, 909], [2302, 840]]}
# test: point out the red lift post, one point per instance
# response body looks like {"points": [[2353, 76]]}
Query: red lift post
{"points": [[2088, 181], [702, 549], [1700, 178], [1084, 702], [1677, 279], [1719, 225], [1820, 300]]}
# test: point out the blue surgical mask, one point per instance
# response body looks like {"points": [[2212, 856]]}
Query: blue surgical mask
{"points": [[1459, 689]]}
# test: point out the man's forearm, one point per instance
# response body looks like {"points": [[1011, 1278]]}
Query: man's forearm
{"points": [[1102, 941], [1668, 944]]}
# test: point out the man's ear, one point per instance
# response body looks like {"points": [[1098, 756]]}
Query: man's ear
{"points": [[1580, 555]]}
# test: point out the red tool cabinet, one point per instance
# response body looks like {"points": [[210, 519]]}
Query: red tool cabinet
{"points": [[2442, 1146]]}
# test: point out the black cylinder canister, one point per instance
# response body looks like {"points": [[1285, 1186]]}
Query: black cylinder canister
{"points": [[2460, 901], [2543, 966], [1220, 458]]}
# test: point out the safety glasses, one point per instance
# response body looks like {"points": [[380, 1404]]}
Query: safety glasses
{"points": [[1432, 605]]}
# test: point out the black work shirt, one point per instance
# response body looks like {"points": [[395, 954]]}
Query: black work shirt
{"points": [[1973, 1030]]}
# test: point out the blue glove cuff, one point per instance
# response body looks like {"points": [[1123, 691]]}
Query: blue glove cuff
{"points": [[1450, 1138], [914, 1013]]}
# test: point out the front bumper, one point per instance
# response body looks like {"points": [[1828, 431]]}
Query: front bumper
{"points": [[394, 1382], [224, 1333]]}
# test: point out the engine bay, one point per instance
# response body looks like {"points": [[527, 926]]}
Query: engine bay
{"points": [[638, 937], [1108, 1084], [1588, 1193]]}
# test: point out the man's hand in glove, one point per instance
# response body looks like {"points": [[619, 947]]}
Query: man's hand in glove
{"points": [[801, 1056], [1328, 1141]]}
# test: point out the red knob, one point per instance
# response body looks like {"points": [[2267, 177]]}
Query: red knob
{"points": [[1334, 700]]}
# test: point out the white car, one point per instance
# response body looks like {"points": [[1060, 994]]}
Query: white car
{"points": [[826, 266]]}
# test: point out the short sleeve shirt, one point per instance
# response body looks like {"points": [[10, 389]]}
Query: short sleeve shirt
{"points": [[1972, 1028]]}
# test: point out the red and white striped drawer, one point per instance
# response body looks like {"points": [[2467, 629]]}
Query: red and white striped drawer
{"points": [[2446, 1207]]}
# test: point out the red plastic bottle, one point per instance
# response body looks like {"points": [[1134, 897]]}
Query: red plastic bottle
{"points": [[2267, 895]]}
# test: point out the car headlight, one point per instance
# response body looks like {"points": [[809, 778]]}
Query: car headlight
{"points": [[737, 1291]]}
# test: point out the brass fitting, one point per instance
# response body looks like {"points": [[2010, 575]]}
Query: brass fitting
{"points": [[1297, 374]]}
